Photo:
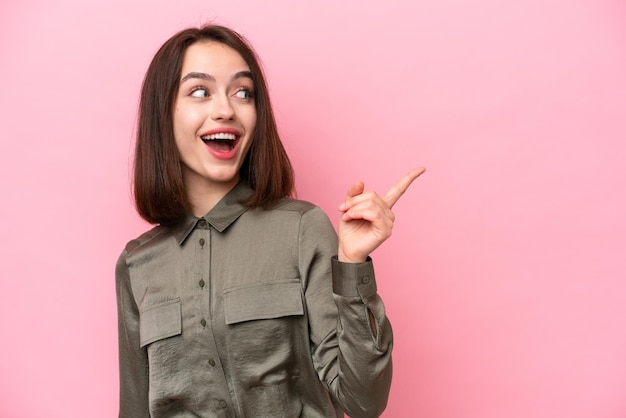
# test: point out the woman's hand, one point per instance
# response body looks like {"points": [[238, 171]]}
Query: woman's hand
{"points": [[367, 218]]}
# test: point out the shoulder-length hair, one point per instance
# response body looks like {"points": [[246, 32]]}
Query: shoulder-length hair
{"points": [[159, 191]]}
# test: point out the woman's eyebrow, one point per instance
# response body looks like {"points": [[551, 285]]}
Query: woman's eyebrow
{"points": [[202, 76], [208, 77], [243, 74]]}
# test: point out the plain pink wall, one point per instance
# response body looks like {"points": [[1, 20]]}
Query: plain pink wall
{"points": [[505, 277]]}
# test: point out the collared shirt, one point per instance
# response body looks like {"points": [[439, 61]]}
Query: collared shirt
{"points": [[247, 313]]}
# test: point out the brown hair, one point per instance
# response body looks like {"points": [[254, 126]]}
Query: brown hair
{"points": [[159, 191]]}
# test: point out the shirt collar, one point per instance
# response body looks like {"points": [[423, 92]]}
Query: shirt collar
{"points": [[221, 216]]}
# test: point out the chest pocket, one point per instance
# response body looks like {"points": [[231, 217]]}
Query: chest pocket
{"points": [[263, 301], [160, 321]]}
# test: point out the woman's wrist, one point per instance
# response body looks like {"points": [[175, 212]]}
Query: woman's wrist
{"points": [[344, 258]]}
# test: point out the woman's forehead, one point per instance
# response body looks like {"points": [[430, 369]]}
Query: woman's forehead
{"points": [[213, 56]]}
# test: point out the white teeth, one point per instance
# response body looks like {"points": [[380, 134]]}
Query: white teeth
{"points": [[220, 135]]}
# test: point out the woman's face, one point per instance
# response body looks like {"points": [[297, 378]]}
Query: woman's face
{"points": [[214, 116]]}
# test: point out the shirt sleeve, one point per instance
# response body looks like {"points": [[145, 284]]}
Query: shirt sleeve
{"points": [[133, 360], [351, 360]]}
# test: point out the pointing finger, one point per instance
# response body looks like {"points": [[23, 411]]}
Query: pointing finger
{"points": [[400, 187]]}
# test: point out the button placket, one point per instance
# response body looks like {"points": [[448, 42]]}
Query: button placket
{"points": [[202, 241], [210, 373]]}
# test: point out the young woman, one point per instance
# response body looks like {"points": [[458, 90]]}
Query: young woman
{"points": [[242, 302]]}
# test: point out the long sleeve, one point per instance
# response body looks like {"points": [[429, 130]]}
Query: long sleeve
{"points": [[132, 359], [351, 360]]}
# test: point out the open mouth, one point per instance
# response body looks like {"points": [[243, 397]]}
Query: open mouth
{"points": [[222, 141]]}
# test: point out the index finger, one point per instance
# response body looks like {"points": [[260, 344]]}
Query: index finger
{"points": [[400, 187]]}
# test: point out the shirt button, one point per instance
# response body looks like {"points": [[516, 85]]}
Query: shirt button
{"points": [[203, 322], [212, 363], [201, 242], [201, 283], [365, 280], [222, 404], [202, 223]]}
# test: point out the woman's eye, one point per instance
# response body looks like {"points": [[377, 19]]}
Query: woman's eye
{"points": [[200, 93], [244, 94]]}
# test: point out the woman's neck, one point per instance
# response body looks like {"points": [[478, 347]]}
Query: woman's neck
{"points": [[203, 195]]}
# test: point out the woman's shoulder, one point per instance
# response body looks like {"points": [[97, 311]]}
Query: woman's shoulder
{"points": [[294, 205], [154, 234], [305, 212]]}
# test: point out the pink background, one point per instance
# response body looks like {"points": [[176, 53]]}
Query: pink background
{"points": [[505, 277]]}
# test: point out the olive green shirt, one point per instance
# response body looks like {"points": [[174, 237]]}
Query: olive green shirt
{"points": [[247, 313]]}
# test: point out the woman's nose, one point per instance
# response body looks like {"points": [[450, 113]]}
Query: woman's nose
{"points": [[221, 108]]}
